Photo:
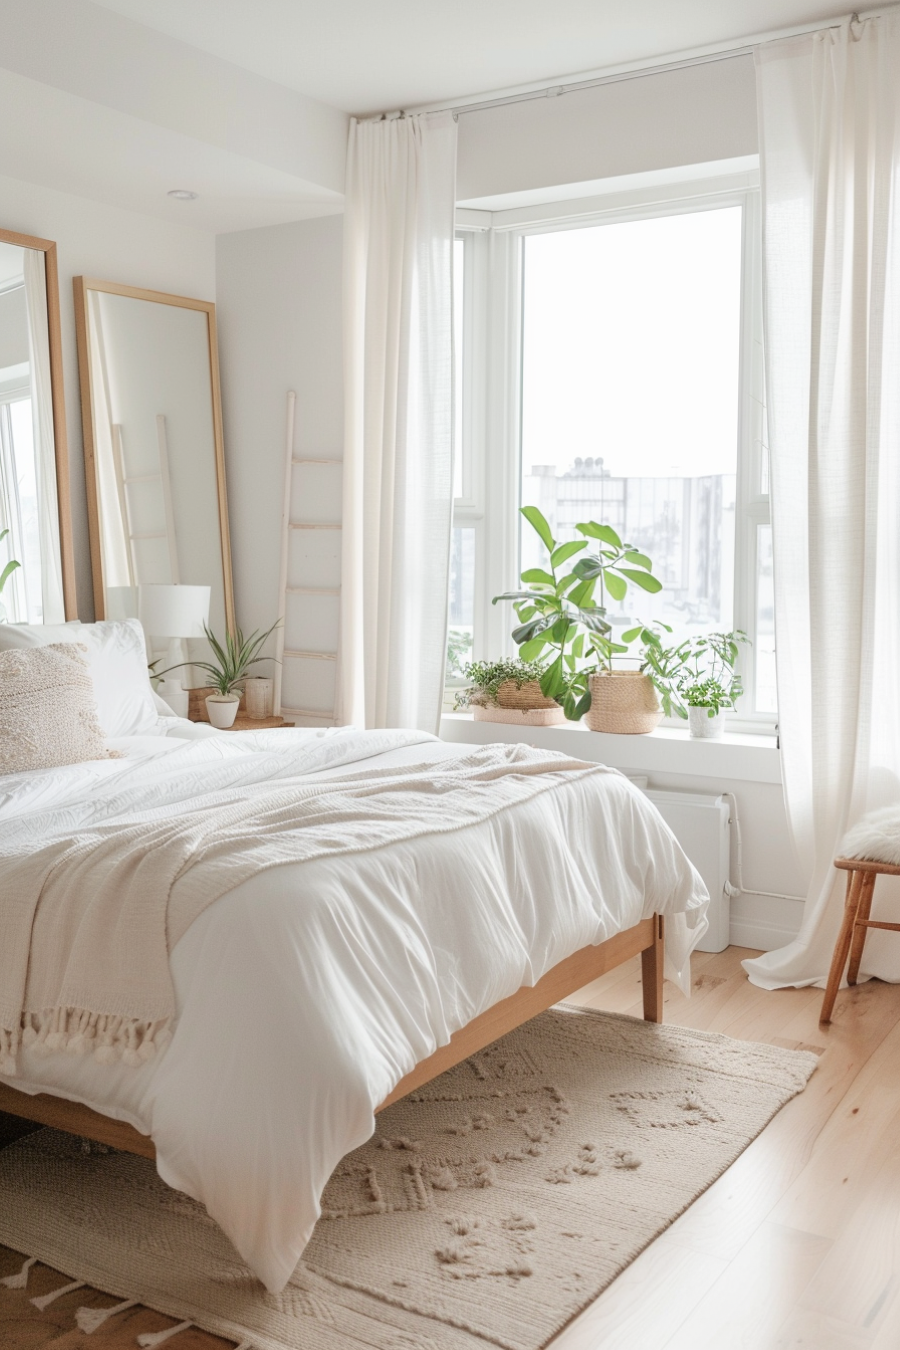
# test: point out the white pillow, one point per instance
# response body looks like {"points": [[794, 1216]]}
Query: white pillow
{"points": [[117, 658], [48, 714]]}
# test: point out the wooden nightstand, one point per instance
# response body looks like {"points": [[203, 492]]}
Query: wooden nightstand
{"points": [[244, 723]]}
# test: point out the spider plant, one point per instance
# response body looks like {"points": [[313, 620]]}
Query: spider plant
{"points": [[233, 657]]}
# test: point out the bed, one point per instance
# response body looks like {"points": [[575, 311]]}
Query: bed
{"points": [[312, 994]]}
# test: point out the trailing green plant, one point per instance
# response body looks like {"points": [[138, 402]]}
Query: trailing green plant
{"points": [[697, 673], [486, 677], [562, 613], [233, 657], [10, 566]]}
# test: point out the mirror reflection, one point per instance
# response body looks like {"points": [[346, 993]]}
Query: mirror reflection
{"points": [[155, 443], [32, 592]]}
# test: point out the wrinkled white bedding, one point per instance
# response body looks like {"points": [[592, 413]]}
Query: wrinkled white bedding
{"points": [[307, 992]]}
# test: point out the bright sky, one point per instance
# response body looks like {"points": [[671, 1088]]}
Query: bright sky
{"points": [[631, 336]]}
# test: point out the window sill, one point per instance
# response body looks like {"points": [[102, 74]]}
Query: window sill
{"points": [[668, 750]]}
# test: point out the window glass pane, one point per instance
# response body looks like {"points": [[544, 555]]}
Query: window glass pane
{"points": [[461, 625], [459, 290], [631, 340], [764, 655]]}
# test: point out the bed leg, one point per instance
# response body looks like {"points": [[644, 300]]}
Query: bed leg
{"points": [[652, 958]]}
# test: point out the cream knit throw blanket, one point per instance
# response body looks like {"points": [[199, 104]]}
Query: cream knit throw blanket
{"points": [[89, 919]]}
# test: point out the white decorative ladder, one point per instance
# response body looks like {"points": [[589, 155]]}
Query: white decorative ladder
{"points": [[290, 644], [125, 480]]}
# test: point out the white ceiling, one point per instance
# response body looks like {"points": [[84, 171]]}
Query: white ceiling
{"points": [[376, 55], [50, 136]]}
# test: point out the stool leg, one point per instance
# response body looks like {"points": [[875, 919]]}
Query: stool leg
{"points": [[842, 946], [863, 910]]}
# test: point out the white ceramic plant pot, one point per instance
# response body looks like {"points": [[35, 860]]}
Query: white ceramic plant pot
{"points": [[703, 726], [222, 710]]}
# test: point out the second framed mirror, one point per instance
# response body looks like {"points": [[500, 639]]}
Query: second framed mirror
{"points": [[154, 457]]}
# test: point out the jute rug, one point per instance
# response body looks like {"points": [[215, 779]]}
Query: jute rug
{"points": [[489, 1208]]}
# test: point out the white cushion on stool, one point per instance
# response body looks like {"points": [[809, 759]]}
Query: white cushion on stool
{"points": [[876, 837]]}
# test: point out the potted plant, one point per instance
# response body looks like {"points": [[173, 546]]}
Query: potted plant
{"points": [[564, 620], [624, 702], [233, 659], [697, 679], [508, 691], [5, 575]]}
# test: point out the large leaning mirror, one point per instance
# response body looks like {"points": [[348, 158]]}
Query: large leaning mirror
{"points": [[37, 571], [153, 452]]}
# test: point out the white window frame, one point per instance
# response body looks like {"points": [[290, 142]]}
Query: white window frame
{"points": [[492, 395]]}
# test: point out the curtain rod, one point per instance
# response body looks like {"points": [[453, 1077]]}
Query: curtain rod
{"points": [[721, 52]]}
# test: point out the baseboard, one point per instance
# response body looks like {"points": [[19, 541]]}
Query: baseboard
{"points": [[763, 922]]}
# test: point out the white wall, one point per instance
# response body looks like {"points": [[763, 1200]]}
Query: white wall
{"points": [[279, 304], [659, 121], [104, 242]]}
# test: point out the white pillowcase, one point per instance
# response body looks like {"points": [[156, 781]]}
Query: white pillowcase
{"points": [[117, 658]]}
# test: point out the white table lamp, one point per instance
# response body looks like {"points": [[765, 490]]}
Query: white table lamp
{"points": [[176, 613]]}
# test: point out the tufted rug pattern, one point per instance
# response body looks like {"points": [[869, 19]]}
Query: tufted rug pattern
{"points": [[487, 1210]]}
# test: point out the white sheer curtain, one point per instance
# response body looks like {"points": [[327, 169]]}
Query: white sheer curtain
{"points": [[398, 484], [44, 441], [830, 151]]}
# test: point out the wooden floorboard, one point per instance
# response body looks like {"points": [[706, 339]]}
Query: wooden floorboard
{"points": [[796, 1247]]}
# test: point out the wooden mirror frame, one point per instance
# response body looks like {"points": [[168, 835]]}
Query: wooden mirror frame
{"points": [[57, 388], [82, 285]]}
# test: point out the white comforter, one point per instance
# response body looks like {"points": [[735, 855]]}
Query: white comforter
{"points": [[305, 994]]}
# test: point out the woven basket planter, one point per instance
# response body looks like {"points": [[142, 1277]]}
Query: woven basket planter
{"points": [[523, 706], [623, 703]]}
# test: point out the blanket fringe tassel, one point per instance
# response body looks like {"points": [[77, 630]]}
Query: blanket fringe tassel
{"points": [[45, 1300], [80, 1032], [19, 1280], [150, 1339], [90, 1320]]}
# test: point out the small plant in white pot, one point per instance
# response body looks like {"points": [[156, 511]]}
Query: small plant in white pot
{"points": [[228, 670], [697, 679]]}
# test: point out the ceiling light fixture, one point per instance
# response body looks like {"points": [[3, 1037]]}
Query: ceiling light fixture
{"points": [[183, 195]]}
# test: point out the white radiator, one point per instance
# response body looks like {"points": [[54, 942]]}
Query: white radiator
{"points": [[700, 824]]}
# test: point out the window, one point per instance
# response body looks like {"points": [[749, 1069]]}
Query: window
{"points": [[610, 369], [21, 599]]}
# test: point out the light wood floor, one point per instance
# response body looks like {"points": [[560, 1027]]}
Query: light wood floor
{"points": [[796, 1247]]}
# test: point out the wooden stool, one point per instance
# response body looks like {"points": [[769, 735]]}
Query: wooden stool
{"points": [[861, 874]]}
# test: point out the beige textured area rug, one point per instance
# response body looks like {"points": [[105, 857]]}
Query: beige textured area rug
{"points": [[488, 1209]]}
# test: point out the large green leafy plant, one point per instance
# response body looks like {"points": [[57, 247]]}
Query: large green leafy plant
{"points": [[562, 608]]}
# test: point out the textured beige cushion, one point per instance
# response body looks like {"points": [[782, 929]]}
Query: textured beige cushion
{"points": [[48, 713]]}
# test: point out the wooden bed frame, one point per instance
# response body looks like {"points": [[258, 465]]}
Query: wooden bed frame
{"points": [[587, 964]]}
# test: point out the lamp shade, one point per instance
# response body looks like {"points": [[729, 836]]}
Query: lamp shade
{"points": [[173, 611]]}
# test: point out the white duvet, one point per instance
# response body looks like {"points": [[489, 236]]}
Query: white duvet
{"points": [[306, 993]]}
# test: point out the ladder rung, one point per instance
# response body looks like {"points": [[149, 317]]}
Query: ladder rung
{"points": [[312, 656], [312, 590], [308, 525]]}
